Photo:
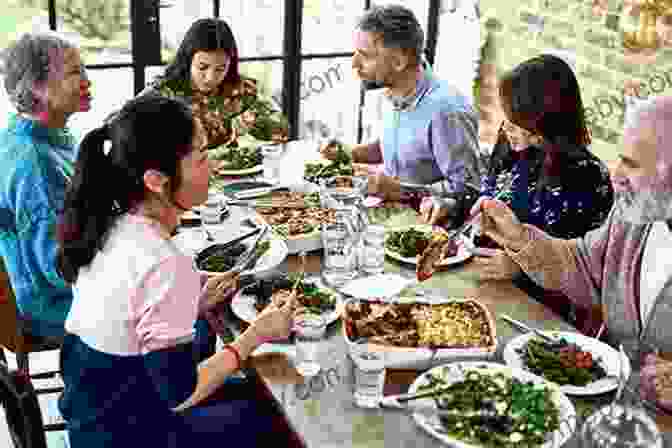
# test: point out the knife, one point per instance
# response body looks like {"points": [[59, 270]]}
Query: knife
{"points": [[255, 192], [525, 329]]}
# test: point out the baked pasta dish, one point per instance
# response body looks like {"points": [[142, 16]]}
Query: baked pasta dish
{"points": [[458, 324]]}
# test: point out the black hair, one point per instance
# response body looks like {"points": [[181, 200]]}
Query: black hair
{"points": [[204, 35], [398, 27], [544, 90], [542, 96], [110, 182]]}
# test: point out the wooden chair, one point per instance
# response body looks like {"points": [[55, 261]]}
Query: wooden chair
{"points": [[17, 394]]}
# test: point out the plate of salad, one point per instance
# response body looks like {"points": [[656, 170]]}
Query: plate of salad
{"points": [[407, 243], [490, 405], [578, 364], [239, 160], [323, 169], [311, 294]]}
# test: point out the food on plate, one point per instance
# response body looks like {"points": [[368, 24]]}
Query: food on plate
{"points": [[458, 324], [439, 248], [222, 259], [562, 362], [340, 166], [408, 243], [494, 410], [231, 158], [296, 213], [277, 290]]}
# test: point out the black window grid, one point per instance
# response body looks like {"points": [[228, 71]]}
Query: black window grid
{"points": [[292, 57]]}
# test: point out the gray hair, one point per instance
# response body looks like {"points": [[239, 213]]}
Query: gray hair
{"points": [[398, 27], [25, 63]]}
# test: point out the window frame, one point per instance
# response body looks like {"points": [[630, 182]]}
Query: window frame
{"points": [[145, 52]]}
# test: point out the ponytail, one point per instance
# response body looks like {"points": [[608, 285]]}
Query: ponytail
{"points": [[89, 206]]}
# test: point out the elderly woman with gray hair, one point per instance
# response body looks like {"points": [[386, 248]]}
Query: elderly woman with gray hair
{"points": [[46, 83]]}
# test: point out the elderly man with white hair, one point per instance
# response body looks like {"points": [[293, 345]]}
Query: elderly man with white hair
{"points": [[46, 83], [624, 266]]}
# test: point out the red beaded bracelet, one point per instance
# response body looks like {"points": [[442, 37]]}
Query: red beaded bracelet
{"points": [[235, 353]]}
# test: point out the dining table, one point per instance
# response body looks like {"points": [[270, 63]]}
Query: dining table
{"points": [[330, 418]]}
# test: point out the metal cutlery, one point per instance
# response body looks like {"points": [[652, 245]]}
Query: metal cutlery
{"points": [[256, 192], [526, 329]]}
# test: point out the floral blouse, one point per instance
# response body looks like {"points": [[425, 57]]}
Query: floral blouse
{"points": [[579, 201], [236, 110]]}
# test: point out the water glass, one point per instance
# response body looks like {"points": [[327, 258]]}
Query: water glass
{"points": [[211, 213], [342, 191], [373, 250], [369, 368], [309, 330], [340, 255], [272, 155]]}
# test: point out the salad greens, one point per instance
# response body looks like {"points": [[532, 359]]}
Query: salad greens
{"points": [[561, 362], [495, 410], [408, 243], [340, 166], [237, 158]]}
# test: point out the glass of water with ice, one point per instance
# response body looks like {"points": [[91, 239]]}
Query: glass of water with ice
{"points": [[339, 240], [373, 250], [309, 329], [369, 368]]}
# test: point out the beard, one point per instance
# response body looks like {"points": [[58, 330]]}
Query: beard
{"points": [[644, 207]]}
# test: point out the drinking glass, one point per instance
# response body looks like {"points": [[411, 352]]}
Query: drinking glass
{"points": [[342, 191], [309, 329], [272, 155], [340, 256], [373, 251], [370, 372], [211, 215]]}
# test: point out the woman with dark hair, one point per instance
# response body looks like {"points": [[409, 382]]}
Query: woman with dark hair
{"points": [[127, 364], [46, 83], [541, 166], [205, 74]]}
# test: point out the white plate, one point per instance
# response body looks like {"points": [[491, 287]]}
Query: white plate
{"points": [[243, 305], [462, 253], [433, 425], [609, 360], [191, 242], [246, 172]]}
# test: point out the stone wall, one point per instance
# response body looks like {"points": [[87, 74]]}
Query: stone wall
{"points": [[587, 33]]}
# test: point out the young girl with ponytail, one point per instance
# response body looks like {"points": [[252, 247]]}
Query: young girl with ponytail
{"points": [[127, 360]]}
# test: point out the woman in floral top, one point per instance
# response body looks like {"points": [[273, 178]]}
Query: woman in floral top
{"points": [[227, 106], [542, 169]]}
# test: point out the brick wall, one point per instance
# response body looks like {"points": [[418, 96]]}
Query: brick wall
{"points": [[587, 32]]}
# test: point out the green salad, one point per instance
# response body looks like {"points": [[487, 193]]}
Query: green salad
{"points": [[237, 158], [495, 410], [340, 166], [408, 243]]}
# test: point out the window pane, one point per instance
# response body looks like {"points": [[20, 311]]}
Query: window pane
{"points": [[105, 99], [258, 25], [101, 28], [268, 75], [328, 25], [175, 18], [419, 7], [329, 100], [459, 63], [22, 16]]}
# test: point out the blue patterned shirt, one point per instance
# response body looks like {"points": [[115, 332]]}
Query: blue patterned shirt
{"points": [[36, 164]]}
